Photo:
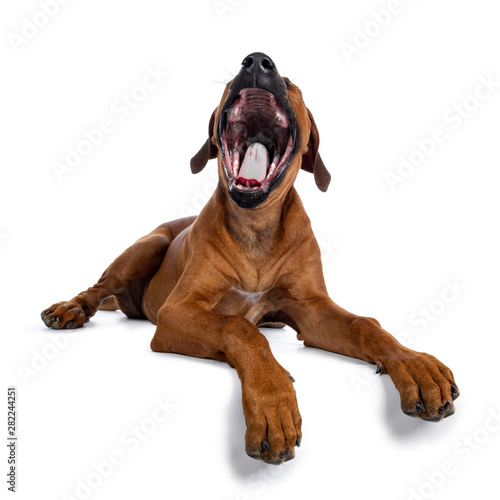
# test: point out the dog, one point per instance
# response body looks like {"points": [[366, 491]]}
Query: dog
{"points": [[250, 259]]}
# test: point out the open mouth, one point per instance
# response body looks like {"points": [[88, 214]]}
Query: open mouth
{"points": [[257, 140]]}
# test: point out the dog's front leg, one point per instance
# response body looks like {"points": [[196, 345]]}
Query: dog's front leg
{"points": [[426, 385], [133, 267], [273, 420]]}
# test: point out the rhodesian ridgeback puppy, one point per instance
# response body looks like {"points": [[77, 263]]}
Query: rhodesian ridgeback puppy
{"points": [[251, 259]]}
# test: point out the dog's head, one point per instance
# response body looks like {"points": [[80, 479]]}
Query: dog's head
{"points": [[262, 134]]}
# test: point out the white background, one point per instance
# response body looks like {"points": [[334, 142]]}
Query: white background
{"points": [[386, 253]]}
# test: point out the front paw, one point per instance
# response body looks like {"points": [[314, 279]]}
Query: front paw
{"points": [[67, 315], [426, 385], [273, 419]]}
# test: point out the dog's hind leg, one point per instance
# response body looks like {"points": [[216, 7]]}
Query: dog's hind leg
{"points": [[125, 279]]}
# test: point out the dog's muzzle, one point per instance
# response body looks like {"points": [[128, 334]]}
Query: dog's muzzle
{"points": [[257, 140], [257, 132]]}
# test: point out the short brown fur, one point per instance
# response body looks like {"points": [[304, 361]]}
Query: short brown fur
{"points": [[208, 282]]}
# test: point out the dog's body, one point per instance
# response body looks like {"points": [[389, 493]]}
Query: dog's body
{"points": [[250, 259]]}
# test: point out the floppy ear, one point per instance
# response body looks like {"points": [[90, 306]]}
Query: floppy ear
{"points": [[311, 159], [208, 150]]}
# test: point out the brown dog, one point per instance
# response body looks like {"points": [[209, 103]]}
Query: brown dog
{"points": [[249, 259]]}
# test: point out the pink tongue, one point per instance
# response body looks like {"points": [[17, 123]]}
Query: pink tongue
{"points": [[255, 163]]}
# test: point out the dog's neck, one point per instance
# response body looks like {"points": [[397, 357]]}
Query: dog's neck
{"points": [[260, 228]]}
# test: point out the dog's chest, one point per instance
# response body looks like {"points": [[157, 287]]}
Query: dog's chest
{"points": [[251, 305], [252, 297]]}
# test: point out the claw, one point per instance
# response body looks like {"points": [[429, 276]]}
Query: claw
{"points": [[420, 407], [265, 445]]}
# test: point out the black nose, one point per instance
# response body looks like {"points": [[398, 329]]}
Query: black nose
{"points": [[259, 71], [258, 63]]}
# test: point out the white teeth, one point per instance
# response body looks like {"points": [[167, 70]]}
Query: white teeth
{"points": [[274, 164], [281, 118], [236, 161]]}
